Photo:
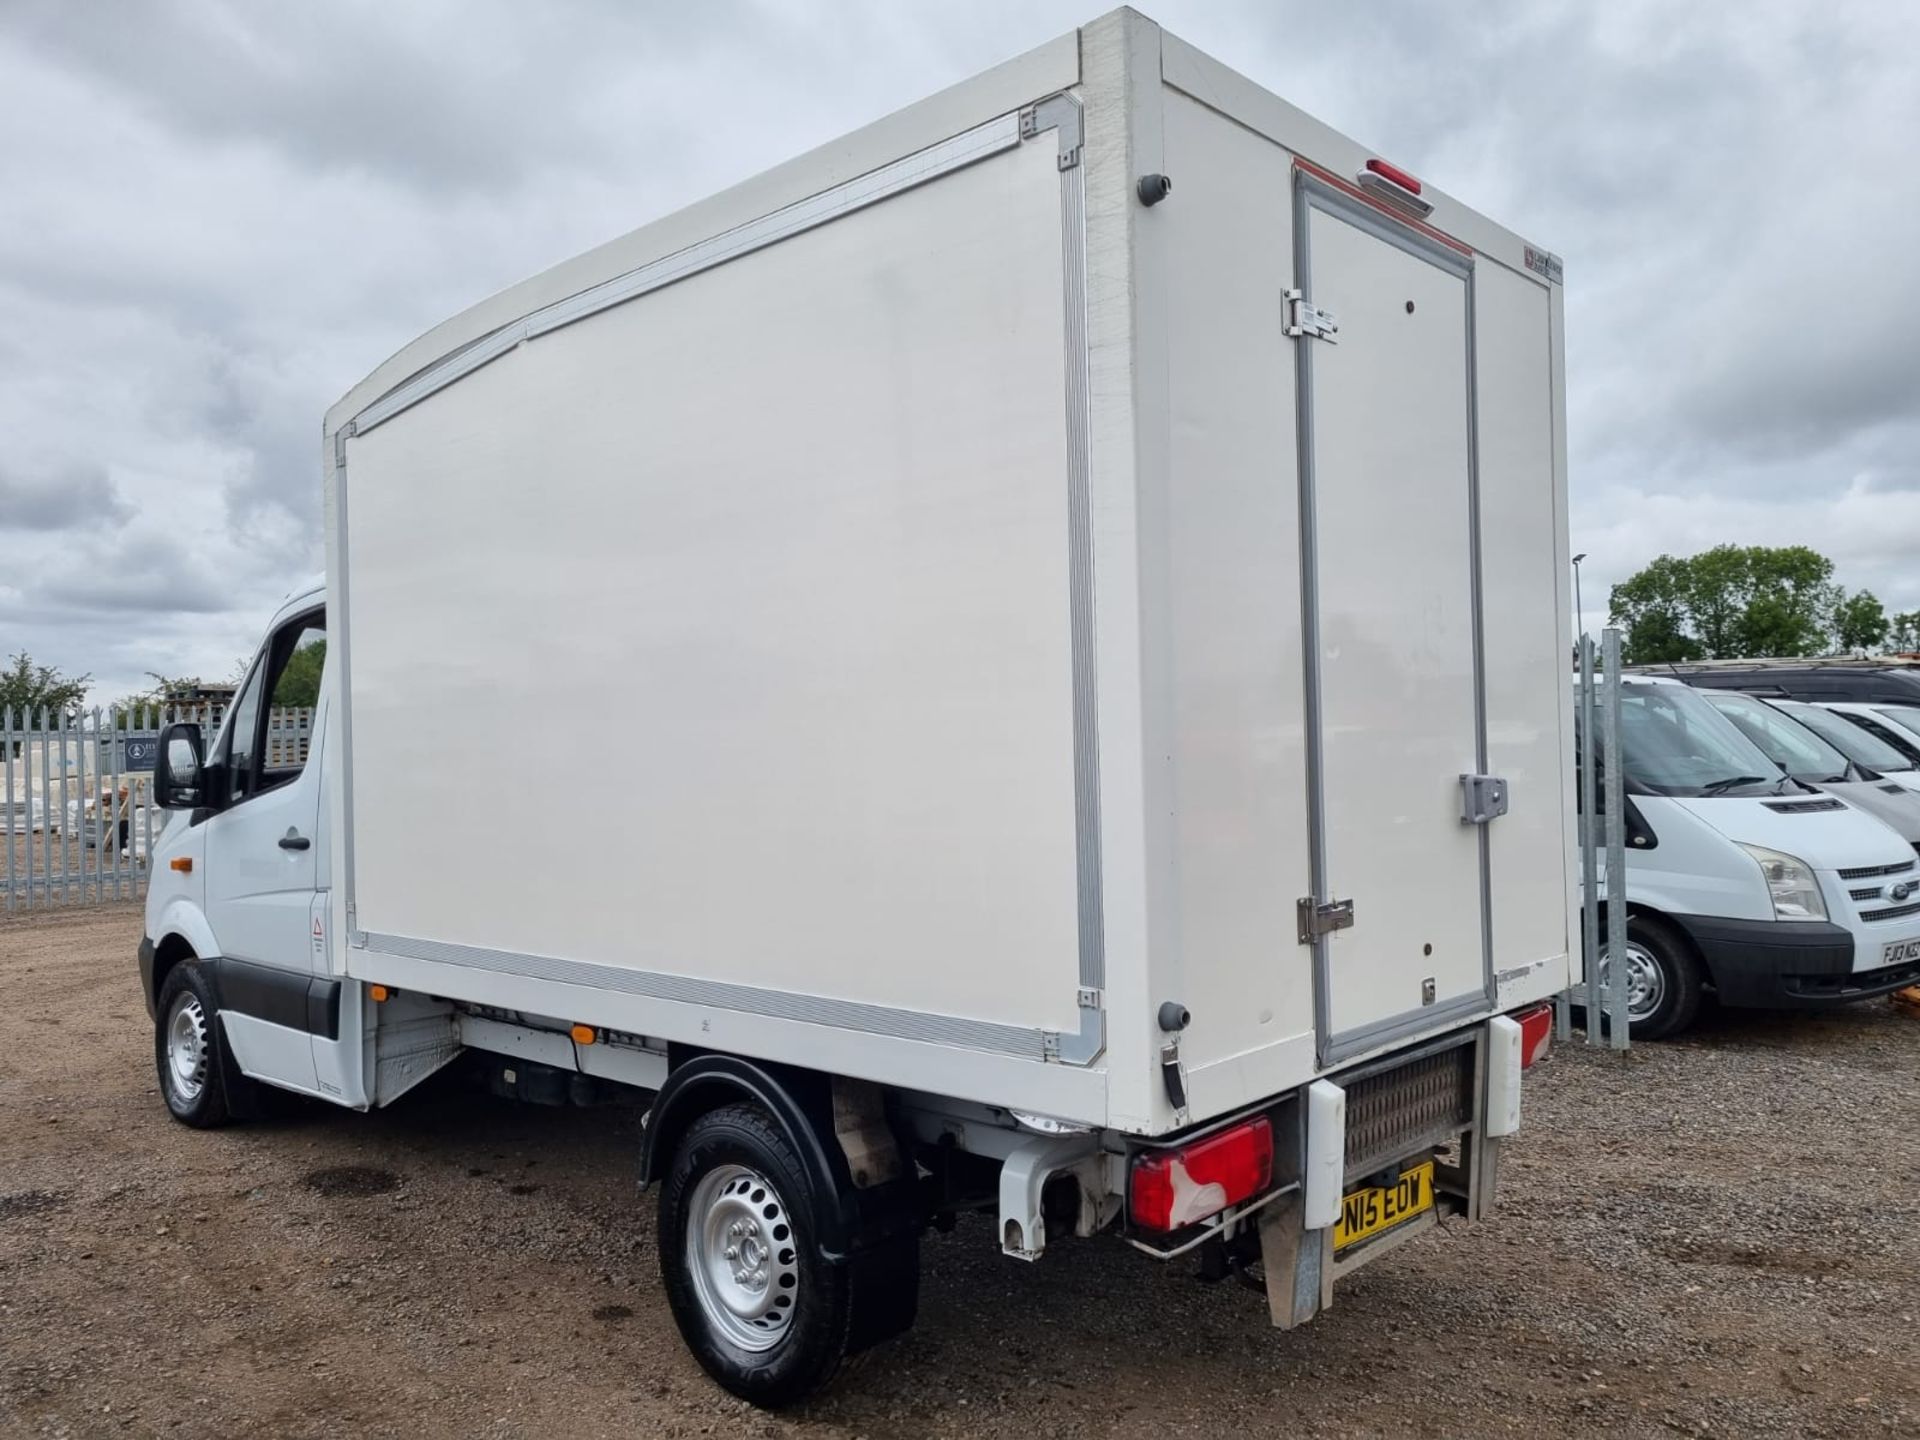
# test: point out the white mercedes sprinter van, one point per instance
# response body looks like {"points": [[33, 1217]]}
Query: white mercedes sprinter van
{"points": [[1035, 801], [1740, 882]]}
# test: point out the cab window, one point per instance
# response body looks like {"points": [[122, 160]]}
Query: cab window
{"points": [[266, 744]]}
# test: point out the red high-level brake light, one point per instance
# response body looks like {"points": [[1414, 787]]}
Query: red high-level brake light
{"points": [[1395, 174]]}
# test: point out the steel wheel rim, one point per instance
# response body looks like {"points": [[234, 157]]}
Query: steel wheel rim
{"points": [[743, 1256], [187, 1049], [1646, 980]]}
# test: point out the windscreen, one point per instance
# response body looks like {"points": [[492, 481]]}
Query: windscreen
{"points": [[1785, 740], [1848, 738], [1675, 743], [1907, 717]]}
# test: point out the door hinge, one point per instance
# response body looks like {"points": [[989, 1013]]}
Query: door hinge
{"points": [[1304, 319], [1322, 918]]}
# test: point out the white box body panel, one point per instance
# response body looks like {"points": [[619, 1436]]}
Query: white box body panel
{"points": [[885, 639], [752, 529], [1239, 794]]}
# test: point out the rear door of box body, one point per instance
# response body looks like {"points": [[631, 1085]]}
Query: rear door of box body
{"points": [[1405, 694], [1393, 689]]}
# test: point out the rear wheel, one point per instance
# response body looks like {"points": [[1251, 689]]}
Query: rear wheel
{"points": [[763, 1313], [1663, 979]]}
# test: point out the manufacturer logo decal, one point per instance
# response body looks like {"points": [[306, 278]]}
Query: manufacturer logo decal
{"points": [[1546, 265]]}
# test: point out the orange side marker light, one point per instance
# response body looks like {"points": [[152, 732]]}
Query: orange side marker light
{"points": [[378, 992], [182, 863], [583, 1035]]}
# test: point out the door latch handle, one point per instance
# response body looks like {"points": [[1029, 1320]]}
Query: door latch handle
{"points": [[294, 840]]}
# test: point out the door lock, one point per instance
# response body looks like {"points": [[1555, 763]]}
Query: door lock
{"points": [[1482, 798]]}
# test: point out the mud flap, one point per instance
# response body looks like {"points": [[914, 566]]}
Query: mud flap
{"points": [[1297, 1263]]}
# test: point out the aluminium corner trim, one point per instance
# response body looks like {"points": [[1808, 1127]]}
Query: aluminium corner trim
{"points": [[954, 153], [340, 643], [1062, 115], [1310, 678]]}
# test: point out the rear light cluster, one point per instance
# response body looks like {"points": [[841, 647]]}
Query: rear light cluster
{"points": [[1536, 1034], [1171, 1189]]}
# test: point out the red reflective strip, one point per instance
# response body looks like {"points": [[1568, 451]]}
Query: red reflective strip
{"points": [[1347, 187], [1536, 1034]]}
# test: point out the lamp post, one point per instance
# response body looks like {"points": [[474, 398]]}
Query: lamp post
{"points": [[1579, 610]]}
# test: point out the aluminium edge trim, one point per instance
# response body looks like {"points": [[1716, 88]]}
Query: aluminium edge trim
{"points": [[992, 1036], [954, 153]]}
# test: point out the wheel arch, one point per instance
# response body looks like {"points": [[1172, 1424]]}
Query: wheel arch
{"points": [[1671, 924], [180, 932], [800, 1102]]}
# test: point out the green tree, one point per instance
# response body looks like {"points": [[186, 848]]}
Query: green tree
{"points": [[1718, 586], [1658, 639], [1860, 622], [299, 682], [1730, 601], [1654, 608], [26, 687], [1790, 597], [166, 691]]}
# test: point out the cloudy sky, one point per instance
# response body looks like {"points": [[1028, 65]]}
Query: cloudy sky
{"points": [[215, 217]]}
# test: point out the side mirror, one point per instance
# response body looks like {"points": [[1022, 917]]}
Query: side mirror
{"points": [[178, 768]]}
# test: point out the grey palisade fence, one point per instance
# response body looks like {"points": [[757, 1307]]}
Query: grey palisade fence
{"points": [[76, 797]]}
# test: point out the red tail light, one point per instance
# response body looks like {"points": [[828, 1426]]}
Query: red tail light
{"points": [[1536, 1034], [1174, 1188]]}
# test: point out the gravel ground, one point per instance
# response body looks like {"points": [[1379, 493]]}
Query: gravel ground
{"points": [[1715, 1237]]}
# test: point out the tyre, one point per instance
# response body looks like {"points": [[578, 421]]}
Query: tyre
{"points": [[1663, 979], [196, 1078], [764, 1315]]}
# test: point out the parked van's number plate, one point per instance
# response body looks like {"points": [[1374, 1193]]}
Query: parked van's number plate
{"points": [[1368, 1211], [1900, 952]]}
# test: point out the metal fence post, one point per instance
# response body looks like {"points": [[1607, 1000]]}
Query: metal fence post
{"points": [[118, 782], [1616, 812], [46, 817], [1589, 841], [14, 815]]}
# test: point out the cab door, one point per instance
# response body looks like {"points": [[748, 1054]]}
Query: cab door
{"points": [[262, 854]]}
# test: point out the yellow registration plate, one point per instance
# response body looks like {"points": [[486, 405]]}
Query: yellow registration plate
{"points": [[1366, 1212]]}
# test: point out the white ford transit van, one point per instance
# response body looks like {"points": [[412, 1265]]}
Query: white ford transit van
{"points": [[1857, 740], [1806, 756], [1896, 725], [1742, 883]]}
